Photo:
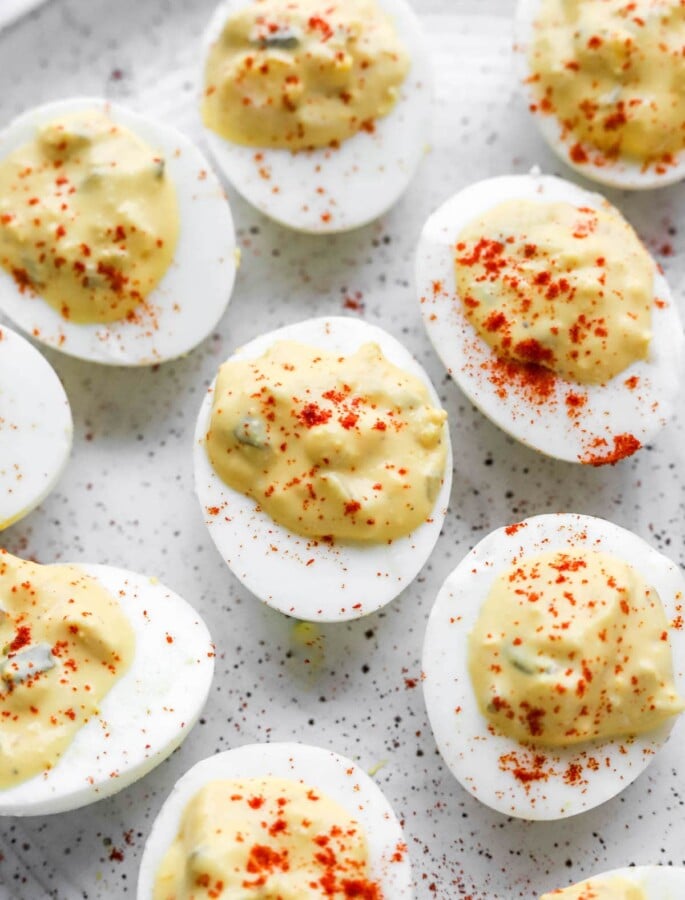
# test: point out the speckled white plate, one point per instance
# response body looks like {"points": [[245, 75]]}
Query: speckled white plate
{"points": [[128, 499]]}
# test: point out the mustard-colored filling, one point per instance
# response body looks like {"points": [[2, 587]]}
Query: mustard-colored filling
{"points": [[342, 446], [300, 74], [571, 646], [613, 73], [613, 888], [64, 642], [262, 838], [88, 217], [567, 288]]}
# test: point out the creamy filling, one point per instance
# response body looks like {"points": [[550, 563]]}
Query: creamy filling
{"points": [[332, 446], [613, 888], [265, 838], [613, 73], [571, 646], [64, 642], [88, 218], [559, 286], [299, 74]]}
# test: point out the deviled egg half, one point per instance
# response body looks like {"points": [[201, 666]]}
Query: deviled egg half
{"points": [[272, 819], [116, 240], [103, 673], [554, 664], [551, 316], [323, 467], [604, 83], [629, 883], [35, 428], [317, 113]]}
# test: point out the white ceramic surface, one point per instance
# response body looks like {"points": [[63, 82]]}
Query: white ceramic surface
{"points": [[127, 497]]}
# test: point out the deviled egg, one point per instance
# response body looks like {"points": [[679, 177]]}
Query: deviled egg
{"points": [[604, 83], [629, 883], [551, 316], [317, 813], [589, 633], [36, 428], [317, 113], [377, 469], [103, 673], [116, 240]]}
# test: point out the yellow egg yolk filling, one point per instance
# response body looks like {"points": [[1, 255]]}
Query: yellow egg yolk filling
{"points": [[346, 447], [613, 74], [64, 642], [265, 837], [571, 646], [564, 287], [613, 888], [88, 218], [300, 74]]}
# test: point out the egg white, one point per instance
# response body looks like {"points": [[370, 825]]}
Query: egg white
{"points": [[147, 713], [658, 882], [611, 409], [621, 173], [35, 428], [192, 295], [299, 576], [470, 746], [325, 191], [337, 777]]}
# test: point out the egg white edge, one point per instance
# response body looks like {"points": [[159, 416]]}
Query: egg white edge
{"points": [[38, 427], [660, 882], [619, 174], [358, 187], [612, 408], [468, 748], [162, 674], [339, 778], [201, 274], [272, 561]]}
